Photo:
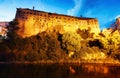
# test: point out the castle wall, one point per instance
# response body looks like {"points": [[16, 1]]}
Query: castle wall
{"points": [[32, 22]]}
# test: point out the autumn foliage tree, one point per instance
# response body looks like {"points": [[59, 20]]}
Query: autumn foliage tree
{"points": [[71, 41]]}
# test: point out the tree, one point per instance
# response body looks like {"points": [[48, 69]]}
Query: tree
{"points": [[71, 41], [12, 29]]}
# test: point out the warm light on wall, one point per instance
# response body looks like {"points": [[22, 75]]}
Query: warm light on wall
{"points": [[33, 22]]}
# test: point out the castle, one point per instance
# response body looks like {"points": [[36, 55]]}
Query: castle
{"points": [[32, 22]]}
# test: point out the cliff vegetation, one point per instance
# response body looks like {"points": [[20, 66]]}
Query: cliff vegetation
{"points": [[68, 47]]}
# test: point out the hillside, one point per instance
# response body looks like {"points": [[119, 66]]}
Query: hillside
{"points": [[76, 47]]}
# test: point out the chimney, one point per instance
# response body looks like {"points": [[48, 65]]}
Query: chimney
{"points": [[33, 8]]}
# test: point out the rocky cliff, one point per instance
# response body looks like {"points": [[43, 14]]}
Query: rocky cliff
{"points": [[116, 24]]}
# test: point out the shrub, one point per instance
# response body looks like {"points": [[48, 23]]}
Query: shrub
{"points": [[88, 53], [85, 33]]}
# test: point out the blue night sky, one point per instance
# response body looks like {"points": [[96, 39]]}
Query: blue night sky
{"points": [[106, 11]]}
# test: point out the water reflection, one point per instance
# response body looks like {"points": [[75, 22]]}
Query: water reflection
{"points": [[72, 70], [58, 71], [96, 68]]}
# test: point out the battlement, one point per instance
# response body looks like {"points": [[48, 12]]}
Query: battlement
{"points": [[32, 22]]}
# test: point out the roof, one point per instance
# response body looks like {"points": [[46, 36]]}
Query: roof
{"points": [[4, 23], [27, 9]]}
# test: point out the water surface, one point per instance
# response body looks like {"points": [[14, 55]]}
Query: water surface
{"points": [[59, 71]]}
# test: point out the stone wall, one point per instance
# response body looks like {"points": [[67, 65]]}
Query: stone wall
{"points": [[32, 22]]}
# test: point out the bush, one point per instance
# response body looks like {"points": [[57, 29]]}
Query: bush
{"points": [[88, 53], [85, 33]]}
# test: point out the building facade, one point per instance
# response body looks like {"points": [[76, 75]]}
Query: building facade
{"points": [[3, 29], [32, 22]]}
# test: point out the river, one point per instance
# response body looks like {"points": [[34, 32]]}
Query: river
{"points": [[59, 71]]}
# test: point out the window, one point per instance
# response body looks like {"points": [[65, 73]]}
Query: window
{"points": [[37, 18], [22, 17], [76, 22], [40, 15], [88, 22], [58, 20], [23, 12], [45, 15], [33, 18], [52, 17], [47, 24], [34, 13], [19, 11]]}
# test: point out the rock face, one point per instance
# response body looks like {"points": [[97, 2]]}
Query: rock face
{"points": [[114, 28], [116, 24], [107, 32], [32, 22]]}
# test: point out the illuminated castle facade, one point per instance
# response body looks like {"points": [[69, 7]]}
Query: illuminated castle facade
{"points": [[32, 22]]}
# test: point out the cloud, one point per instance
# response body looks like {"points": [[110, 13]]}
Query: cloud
{"points": [[84, 7], [117, 16], [73, 11], [100, 9]]}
